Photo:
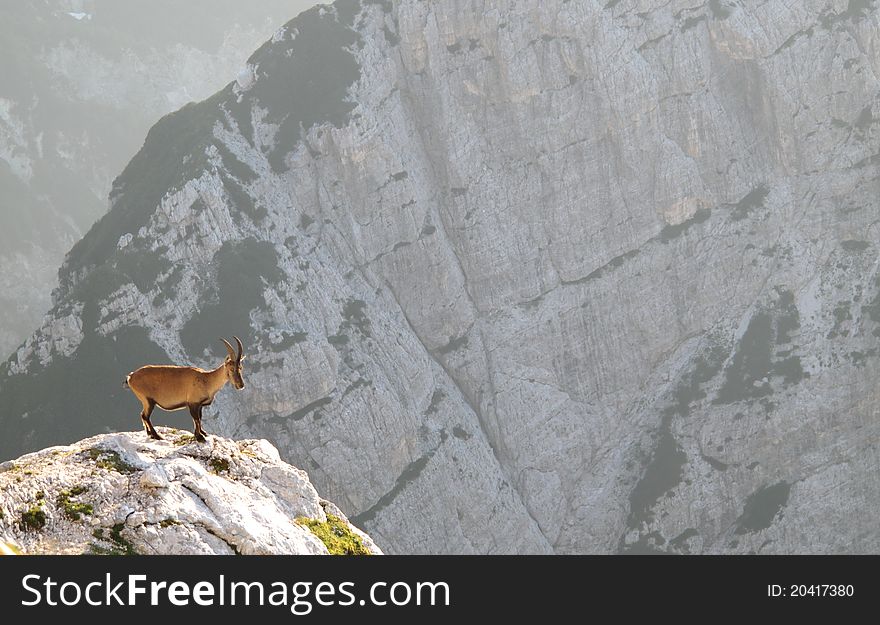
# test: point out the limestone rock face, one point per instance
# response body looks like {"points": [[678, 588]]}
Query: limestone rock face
{"points": [[125, 493], [82, 82], [515, 276]]}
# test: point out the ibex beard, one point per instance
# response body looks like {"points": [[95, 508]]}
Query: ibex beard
{"points": [[173, 387]]}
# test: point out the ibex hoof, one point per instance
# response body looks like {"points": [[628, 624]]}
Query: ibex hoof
{"points": [[200, 438], [156, 437]]}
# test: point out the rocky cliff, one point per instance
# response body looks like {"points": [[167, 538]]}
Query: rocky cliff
{"points": [[515, 276], [125, 494], [82, 82]]}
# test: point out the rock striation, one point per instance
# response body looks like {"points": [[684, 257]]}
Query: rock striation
{"points": [[82, 82], [514, 276], [126, 494]]}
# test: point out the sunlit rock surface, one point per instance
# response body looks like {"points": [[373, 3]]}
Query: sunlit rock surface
{"points": [[514, 276]]}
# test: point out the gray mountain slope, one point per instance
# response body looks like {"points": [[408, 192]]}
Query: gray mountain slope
{"points": [[514, 277], [81, 83]]}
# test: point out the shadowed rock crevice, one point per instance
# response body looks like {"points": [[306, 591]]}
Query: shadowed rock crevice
{"points": [[422, 205], [662, 473], [490, 440], [765, 353], [312, 68], [762, 507], [244, 269], [406, 477]]}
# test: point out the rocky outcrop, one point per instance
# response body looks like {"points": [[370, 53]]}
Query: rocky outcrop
{"points": [[83, 81], [516, 276], [126, 494]]}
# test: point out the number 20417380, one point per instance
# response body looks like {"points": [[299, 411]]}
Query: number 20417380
{"points": [[810, 590]]}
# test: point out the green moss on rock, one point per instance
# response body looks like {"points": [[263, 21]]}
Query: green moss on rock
{"points": [[218, 465], [33, 520], [71, 509], [109, 460], [336, 535], [118, 544]]}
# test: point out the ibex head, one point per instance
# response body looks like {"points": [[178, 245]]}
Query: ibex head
{"points": [[233, 363]]}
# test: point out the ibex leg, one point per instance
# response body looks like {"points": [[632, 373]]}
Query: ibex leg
{"points": [[201, 429], [145, 417], [195, 411]]}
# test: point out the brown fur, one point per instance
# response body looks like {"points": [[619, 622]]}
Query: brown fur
{"points": [[173, 388]]}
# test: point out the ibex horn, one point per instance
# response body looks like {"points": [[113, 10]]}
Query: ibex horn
{"points": [[229, 348], [240, 348]]}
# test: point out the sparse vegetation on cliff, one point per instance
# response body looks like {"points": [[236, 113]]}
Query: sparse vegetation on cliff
{"points": [[73, 510], [336, 535], [33, 519], [126, 494]]}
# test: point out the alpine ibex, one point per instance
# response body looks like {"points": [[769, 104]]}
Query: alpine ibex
{"points": [[173, 388]]}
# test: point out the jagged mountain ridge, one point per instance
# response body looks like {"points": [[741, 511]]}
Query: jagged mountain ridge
{"points": [[83, 81], [607, 271]]}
